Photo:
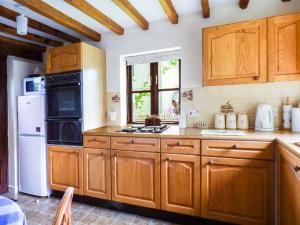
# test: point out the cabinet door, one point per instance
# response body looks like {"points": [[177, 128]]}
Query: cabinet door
{"points": [[235, 53], [180, 183], [136, 178], [65, 168], [64, 58], [238, 190], [288, 187], [97, 176], [284, 47]]}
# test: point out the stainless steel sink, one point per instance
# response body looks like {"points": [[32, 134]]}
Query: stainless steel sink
{"points": [[222, 132]]}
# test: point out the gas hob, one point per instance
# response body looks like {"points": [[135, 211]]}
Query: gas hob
{"points": [[145, 129]]}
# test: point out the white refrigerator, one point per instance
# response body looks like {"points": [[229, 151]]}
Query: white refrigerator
{"points": [[32, 145]]}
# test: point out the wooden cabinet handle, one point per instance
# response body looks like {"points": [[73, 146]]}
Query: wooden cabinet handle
{"points": [[297, 168], [116, 155], [256, 77], [178, 144], [235, 147], [133, 141], [168, 159], [103, 154], [210, 162], [76, 152]]}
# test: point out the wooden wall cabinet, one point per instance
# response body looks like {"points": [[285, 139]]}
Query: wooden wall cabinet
{"points": [[65, 168], [284, 47], [136, 178], [235, 53], [180, 183], [238, 191], [97, 173], [64, 58], [288, 185]]}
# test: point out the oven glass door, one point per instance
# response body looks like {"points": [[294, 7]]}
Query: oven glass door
{"points": [[65, 132], [64, 101]]}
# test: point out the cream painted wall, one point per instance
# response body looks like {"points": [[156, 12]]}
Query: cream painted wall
{"points": [[17, 69], [188, 36]]}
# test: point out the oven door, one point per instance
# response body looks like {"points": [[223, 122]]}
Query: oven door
{"points": [[64, 132], [64, 101]]}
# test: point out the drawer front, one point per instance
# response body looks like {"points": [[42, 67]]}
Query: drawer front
{"points": [[135, 144], [238, 149], [96, 142], [181, 146]]}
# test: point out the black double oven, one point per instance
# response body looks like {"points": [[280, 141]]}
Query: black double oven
{"points": [[64, 108]]}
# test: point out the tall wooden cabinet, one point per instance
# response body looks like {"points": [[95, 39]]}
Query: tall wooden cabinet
{"points": [[180, 183], [288, 170], [136, 178], [238, 190], [284, 47], [65, 168], [235, 53]]}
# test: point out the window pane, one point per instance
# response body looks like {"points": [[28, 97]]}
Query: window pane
{"points": [[141, 77], [169, 105], [140, 106], [168, 74]]}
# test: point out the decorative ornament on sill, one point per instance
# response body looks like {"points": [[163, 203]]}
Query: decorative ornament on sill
{"points": [[115, 98], [187, 95], [226, 108], [22, 24]]}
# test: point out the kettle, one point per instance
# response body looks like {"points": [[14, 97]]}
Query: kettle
{"points": [[264, 120]]}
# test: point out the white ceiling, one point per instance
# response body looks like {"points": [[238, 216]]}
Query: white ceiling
{"points": [[150, 9]]}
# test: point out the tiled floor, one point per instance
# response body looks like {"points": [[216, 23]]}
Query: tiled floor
{"points": [[42, 211]]}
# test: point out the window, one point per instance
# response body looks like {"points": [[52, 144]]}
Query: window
{"points": [[154, 89]]}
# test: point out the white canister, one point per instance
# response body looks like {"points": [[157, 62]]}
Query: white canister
{"points": [[219, 121], [182, 121], [231, 120], [296, 119], [287, 116], [243, 123]]}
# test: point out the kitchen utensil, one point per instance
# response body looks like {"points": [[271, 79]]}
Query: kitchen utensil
{"points": [[243, 121], [264, 120], [230, 120], [219, 121]]}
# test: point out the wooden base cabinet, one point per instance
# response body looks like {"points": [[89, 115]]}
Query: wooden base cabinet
{"points": [[97, 175], [180, 183], [288, 187], [238, 190], [136, 178], [65, 168]]}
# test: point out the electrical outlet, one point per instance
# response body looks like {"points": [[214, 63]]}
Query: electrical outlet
{"points": [[194, 113]]}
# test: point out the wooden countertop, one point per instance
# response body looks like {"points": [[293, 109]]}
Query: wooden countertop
{"points": [[286, 138]]}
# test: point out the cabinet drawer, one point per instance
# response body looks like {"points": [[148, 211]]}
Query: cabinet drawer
{"points": [[135, 144], [238, 149], [181, 146], [96, 142]]}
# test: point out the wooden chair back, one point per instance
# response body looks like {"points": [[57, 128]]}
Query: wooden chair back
{"points": [[63, 214]]}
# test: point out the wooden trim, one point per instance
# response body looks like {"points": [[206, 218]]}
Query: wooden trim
{"points": [[29, 36], [12, 15], [169, 9], [94, 13], [244, 4], [3, 126], [205, 8], [133, 13], [46, 10]]}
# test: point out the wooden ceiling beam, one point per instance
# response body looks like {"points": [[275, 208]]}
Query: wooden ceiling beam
{"points": [[9, 46], [91, 11], [31, 37], [205, 8], [244, 4], [12, 15], [133, 13], [46, 10], [169, 9]]}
